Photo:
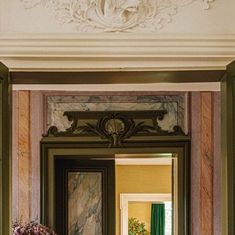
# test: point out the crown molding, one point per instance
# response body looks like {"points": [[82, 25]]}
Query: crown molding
{"points": [[116, 51]]}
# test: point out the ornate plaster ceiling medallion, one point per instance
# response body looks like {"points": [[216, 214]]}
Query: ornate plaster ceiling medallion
{"points": [[115, 15]]}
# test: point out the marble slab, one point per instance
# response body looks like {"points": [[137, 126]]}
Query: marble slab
{"points": [[84, 203], [174, 104]]}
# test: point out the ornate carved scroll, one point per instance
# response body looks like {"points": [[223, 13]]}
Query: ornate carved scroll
{"points": [[115, 15], [116, 126]]}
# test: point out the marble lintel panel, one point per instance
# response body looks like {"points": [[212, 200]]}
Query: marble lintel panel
{"points": [[174, 104]]}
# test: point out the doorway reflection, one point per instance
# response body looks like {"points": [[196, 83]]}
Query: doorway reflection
{"points": [[146, 194]]}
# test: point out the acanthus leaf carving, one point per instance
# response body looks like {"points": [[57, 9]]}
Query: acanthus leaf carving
{"points": [[115, 15]]}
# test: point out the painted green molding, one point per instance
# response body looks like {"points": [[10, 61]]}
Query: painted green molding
{"points": [[228, 150], [5, 153], [231, 69]]}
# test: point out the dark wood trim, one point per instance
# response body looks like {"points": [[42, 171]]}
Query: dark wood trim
{"points": [[5, 151], [116, 127], [51, 150], [228, 150], [116, 77]]}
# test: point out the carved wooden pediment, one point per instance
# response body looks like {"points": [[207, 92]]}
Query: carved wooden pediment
{"points": [[116, 126]]}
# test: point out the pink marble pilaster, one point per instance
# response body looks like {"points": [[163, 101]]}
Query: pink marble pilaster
{"points": [[36, 125], [15, 170], [24, 164], [206, 176]]}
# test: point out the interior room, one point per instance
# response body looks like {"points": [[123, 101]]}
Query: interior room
{"points": [[143, 190], [117, 117]]}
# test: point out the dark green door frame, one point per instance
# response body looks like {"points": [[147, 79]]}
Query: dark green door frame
{"points": [[228, 126], [5, 152], [53, 148], [228, 150]]}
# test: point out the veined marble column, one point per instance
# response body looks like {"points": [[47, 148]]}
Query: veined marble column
{"points": [[206, 164], [24, 155]]}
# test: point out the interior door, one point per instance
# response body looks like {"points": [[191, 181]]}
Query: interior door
{"points": [[5, 158], [85, 196]]}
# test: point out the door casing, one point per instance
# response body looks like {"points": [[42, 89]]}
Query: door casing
{"points": [[57, 147], [226, 77]]}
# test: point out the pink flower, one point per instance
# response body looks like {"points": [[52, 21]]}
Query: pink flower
{"points": [[31, 228]]}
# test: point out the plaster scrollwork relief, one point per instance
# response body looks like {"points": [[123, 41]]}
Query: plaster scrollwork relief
{"points": [[115, 15]]}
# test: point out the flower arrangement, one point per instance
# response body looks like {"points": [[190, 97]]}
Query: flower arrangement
{"points": [[135, 227], [31, 228]]}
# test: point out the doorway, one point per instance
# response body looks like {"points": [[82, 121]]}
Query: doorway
{"points": [[156, 150]]}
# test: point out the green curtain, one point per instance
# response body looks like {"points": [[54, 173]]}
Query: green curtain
{"points": [[158, 219]]}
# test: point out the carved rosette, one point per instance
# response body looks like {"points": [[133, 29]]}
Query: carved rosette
{"points": [[116, 127], [115, 15]]}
